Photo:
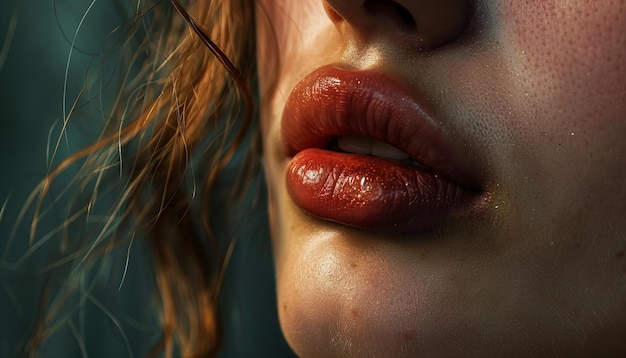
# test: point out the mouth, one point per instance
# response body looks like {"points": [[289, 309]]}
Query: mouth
{"points": [[367, 154]]}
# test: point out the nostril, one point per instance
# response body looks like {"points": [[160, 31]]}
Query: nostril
{"points": [[398, 15]]}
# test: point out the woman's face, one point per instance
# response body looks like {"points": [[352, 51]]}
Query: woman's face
{"points": [[499, 225]]}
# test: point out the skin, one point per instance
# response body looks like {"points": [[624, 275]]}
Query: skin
{"points": [[537, 89]]}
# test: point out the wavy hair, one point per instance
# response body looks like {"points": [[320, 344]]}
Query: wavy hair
{"points": [[181, 128]]}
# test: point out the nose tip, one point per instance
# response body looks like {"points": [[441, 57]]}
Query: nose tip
{"points": [[422, 23]]}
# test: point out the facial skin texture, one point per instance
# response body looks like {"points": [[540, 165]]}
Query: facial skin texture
{"points": [[537, 88]]}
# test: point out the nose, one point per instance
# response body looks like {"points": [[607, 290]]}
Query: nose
{"points": [[421, 24]]}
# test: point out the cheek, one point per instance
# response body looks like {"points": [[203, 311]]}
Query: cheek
{"points": [[569, 57], [292, 35], [293, 38]]}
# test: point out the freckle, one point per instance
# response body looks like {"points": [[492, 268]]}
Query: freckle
{"points": [[285, 307], [353, 265], [355, 312], [620, 254]]}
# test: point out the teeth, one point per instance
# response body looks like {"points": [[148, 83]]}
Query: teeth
{"points": [[354, 144], [385, 150], [363, 145]]}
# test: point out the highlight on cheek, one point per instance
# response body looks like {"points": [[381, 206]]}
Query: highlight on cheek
{"points": [[577, 47]]}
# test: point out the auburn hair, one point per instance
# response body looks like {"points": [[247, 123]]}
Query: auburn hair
{"points": [[181, 129]]}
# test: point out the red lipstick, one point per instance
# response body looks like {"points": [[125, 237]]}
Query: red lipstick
{"points": [[368, 191]]}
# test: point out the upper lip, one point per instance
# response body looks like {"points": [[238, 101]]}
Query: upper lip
{"points": [[332, 102]]}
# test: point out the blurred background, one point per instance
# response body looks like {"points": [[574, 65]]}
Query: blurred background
{"points": [[40, 76]]}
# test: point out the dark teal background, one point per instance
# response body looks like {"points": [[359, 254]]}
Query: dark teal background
{"points": [[115, 322]]}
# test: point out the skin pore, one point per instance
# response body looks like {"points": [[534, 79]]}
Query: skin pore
{"points": [[536, 93]]}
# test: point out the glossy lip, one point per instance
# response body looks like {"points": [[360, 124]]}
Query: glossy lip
{"points": [[365, 191]]}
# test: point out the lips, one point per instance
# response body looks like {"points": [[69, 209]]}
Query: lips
{"points": [[418, 180]]}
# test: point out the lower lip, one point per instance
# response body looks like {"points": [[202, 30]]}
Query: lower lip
{"points": [[374, 193]]}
